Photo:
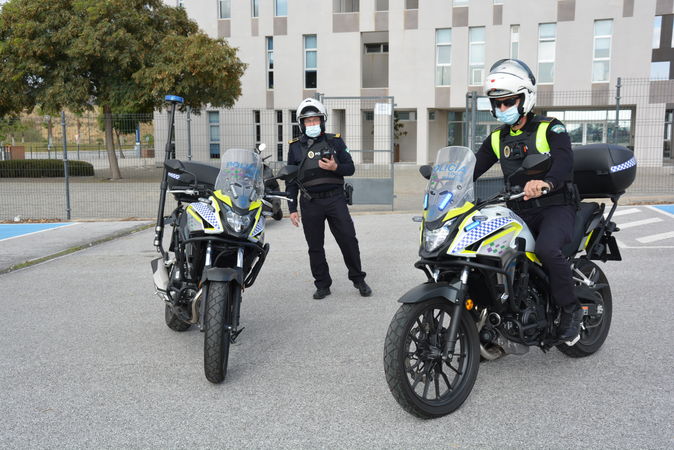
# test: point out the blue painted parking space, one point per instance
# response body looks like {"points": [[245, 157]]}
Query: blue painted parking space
{"points": [[12, 230], [666, 208]]}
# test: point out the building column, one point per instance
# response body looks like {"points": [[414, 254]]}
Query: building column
{"points": [[422, 135]]}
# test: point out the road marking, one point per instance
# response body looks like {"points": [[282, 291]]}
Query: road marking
{"points": [[656, 237], [13, 231], [622, 212], [637, 223], [662, 211]]}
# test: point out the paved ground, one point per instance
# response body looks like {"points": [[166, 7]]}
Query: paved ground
{"points": [[86, 360]]}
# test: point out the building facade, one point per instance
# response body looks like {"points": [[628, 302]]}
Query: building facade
{"points": [[428, 54]]}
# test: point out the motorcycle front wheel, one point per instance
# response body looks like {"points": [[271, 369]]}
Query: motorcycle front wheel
{"points": [[217, 336], [420, 380]]}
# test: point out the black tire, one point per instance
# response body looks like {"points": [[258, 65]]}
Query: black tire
{"points": [[217, 337], [407, 361], [173, 322], [595, 328]]}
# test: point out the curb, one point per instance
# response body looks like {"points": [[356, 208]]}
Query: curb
{"points": [[77, 248]]}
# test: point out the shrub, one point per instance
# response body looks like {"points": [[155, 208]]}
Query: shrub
{"points": [[42, 168]]}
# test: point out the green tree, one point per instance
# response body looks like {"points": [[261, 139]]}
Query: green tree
{"points": [[118, 55]]}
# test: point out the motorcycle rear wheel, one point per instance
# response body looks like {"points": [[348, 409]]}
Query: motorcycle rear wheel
{"points": [[217, 336], [416, 374], [173, 322], [592, 334]]}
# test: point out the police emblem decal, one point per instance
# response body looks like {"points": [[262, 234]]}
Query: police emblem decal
{"points": [[506, 151], [310, 154]]}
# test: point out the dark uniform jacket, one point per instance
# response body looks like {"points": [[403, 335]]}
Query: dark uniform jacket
{"points": [[555, 140], [311, 147]]}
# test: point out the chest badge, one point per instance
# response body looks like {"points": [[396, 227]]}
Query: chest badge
{"points": [[310, 155], [506, 151]]}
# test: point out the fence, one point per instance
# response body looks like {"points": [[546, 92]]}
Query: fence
{"points": [[638, 115]]}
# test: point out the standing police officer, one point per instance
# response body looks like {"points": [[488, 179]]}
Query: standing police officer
{"points": [[323, 162], [511, 88]]}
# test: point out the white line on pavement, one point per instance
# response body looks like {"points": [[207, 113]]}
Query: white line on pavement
{"points": [[656, 237], [622, 212], [637, 223], [662, 211]]}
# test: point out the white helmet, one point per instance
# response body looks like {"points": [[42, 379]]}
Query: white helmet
{"points": [[508, 77], [311, 108]]}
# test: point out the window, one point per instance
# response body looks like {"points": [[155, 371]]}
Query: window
{"points": [[514, 41], [376, 48], [180, 3], [381, 5], [345, 6], [214, 133], [443, 56], [601, 63], [405, 115], [280, 7], [475, 55], [498, 2], [295, 127], [224, 9], [411, 4], [547, 33], [279, 135], [258, 129], [460, 2], [310, 61], [255, 8], [270, 62], [660, 70], [657, 25]]}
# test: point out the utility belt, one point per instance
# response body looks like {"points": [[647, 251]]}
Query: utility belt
{"points": [[328, 194], [567, 195]]}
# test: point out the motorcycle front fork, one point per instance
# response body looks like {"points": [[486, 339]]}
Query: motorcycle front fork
{"points": [[453, 331]]}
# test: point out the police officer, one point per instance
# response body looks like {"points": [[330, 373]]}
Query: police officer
{"points": [[511, 88], [323, 162]]}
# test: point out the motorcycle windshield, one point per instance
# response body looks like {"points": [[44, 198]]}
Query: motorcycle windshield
{"points": [[240, 177], [451, 182]]}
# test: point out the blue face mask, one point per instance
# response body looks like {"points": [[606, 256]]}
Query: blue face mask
{"points": [[509, 116], [313, 131]]}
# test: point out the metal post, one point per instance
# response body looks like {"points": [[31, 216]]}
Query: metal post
{"points": [[189, 135], [392, 152], [617, 112], [65, 163], [473, 120], [465, 119]]}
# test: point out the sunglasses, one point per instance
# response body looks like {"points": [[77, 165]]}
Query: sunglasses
{"points": [[508, 102]]}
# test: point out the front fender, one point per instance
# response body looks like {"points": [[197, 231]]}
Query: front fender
{"points": [[431, 290], [225, 274]]}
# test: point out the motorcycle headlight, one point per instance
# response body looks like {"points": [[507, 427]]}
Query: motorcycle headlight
{"points": [[433, 239], [238, 223]]}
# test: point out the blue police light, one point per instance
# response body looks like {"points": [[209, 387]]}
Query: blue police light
{"points": [[174, 98], [445, 201], [426, 201], [472, 225]]}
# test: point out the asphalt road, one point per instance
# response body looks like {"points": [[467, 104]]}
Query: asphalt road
{"points": [[86, 360]]}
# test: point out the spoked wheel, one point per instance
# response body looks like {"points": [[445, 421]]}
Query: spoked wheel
{"points": [[217, 336], [596, 324], [423, 383]]}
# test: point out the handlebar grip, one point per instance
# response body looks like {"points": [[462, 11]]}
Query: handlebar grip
{"points": [[545, 191]]}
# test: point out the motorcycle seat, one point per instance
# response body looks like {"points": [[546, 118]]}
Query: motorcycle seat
{"points": [[585, 214]]}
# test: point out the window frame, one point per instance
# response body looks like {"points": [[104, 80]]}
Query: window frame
{"points": [[276, 8], [471, 46], [213, 126], [542, 40], [254, 8], [220, 9], [308, 70], [269, 61], [514, 40], [607, 59], [446, 67]]}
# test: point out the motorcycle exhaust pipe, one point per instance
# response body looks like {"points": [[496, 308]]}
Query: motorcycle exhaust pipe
{"points": [[159, 274], [195, 306]]}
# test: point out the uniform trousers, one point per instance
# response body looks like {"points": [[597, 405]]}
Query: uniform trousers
{"points": [[314, 214], [552, 226]]}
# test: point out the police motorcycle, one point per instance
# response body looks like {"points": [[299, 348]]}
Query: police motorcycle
{"points": [[487, 294], [216, 247]]}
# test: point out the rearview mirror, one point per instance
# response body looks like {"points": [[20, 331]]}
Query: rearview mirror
{"points": [[537, 163], [175, 165], [287, 172], [426, 171]]}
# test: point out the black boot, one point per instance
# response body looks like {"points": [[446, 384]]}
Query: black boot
{"points": [[569, 322], [363, 288], [321, 293]]}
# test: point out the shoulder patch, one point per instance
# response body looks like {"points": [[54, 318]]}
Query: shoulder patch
{"points": [[338, 135], [559, 128], [293, 140]]}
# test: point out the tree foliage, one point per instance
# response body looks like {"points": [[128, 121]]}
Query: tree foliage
{"points": [[119, 55]]}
